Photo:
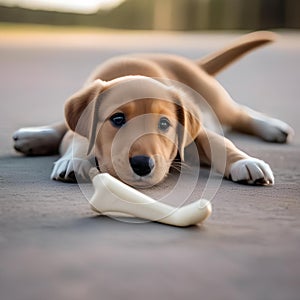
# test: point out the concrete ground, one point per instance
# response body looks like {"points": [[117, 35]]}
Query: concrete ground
{"points": [[52, 246]]}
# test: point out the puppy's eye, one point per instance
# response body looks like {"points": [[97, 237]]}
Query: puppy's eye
{"points": [[118, 119], [164, 124]]}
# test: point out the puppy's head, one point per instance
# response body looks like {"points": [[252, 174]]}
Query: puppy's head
{"points": [[136, 126]]}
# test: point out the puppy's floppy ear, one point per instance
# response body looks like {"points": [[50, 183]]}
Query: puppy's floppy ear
{"points": [[189, 122], [79, 109]]}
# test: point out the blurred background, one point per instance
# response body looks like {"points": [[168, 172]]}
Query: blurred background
{"points": [[51, 244], [156, 14]]}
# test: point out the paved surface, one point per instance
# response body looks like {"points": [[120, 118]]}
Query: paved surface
{"points": [[53, 247]]}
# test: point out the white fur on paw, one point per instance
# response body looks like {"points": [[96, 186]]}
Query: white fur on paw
{"points": [[274, 130], [36, 140], [252, 171], [270, 129], [71, 169]]}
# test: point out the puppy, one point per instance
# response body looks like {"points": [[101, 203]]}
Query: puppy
{"points": [[136, 114]]}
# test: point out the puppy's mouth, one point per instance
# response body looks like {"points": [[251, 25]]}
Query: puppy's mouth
{"points": [[140, 182], [143, 182], [139, 172]]}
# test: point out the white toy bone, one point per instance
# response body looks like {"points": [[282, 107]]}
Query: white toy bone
{"points": [[113, 196]]}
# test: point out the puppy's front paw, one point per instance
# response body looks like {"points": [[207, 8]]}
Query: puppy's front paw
{"points": [[251, 171], [71, 169]]}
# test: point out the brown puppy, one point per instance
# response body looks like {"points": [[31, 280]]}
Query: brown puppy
{"points": [[137, 112]]}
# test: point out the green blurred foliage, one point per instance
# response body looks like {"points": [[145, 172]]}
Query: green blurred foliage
{"points": [[173, 15]]}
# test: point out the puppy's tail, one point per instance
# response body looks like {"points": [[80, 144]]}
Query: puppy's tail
{"points": [[216, 62]]}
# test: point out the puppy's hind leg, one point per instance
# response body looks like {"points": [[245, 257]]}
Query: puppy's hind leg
{"points": [[44, 140], [244, 119], [267, 128]]}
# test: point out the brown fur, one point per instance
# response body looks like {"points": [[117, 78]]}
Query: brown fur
{"points": [[142, 87]]}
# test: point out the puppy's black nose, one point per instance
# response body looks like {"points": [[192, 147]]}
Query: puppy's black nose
{"points": [[141, 165]]}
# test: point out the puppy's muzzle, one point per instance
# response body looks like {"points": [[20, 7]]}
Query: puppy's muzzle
{"points": [[141, 165]]}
